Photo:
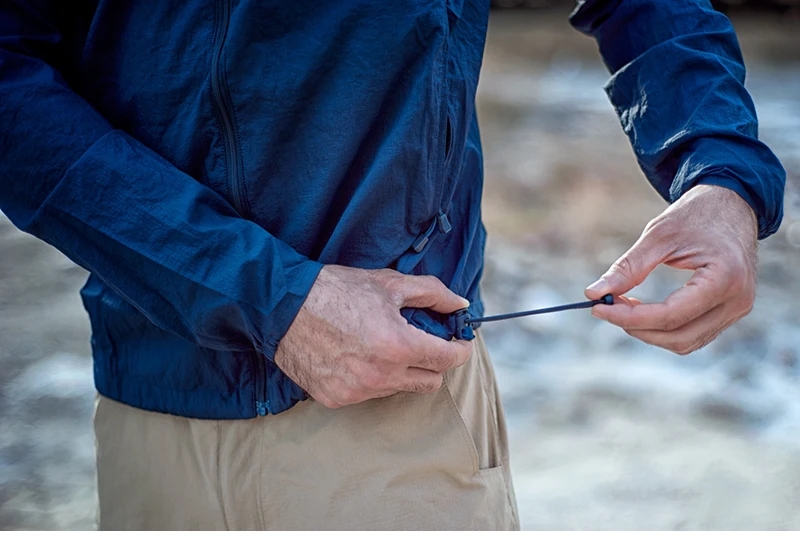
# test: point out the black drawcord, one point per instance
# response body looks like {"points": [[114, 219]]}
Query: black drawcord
{"points": [[464, 323], [608, 299]]}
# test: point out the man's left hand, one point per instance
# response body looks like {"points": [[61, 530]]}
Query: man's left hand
{"points": [[710, 230]]}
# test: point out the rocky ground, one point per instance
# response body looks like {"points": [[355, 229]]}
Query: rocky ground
{"points": [[606, 432]]}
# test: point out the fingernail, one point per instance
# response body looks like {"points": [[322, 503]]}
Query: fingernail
{"points": [[465, 303], [597, 285]]}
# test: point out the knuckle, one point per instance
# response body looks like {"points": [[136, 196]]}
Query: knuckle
{"points": [[430, 285], [430, 280], [436, 284], [437, 361], [680, 348], [703, 344], [420, 386], [632, 333], [387, 275], [670, 323], [342, 394], [624, 266], [430, 385], [629, 267], [625, 324], [708, 337], [653, 227], [413, 387], [742, 307], [687, 347], [396, 291], [328, 402], [660, 229], [452, 362], [667, 324], [436, 383], [349, 396], [671, 347], [432, 362], [393, 283], [447, 358], [381, 276]]}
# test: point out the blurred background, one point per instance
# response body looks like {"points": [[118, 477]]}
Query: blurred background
{"points": [[606, 432]]}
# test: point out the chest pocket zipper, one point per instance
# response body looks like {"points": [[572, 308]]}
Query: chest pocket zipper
{"points": [[440, 223]]}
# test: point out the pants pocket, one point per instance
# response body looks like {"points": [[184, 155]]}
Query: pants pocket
{"points": [[500, 508], [477, 413], [411, 461]]}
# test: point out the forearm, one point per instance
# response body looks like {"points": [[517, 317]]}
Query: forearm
{"points": [[169, 245], [678, 87]]}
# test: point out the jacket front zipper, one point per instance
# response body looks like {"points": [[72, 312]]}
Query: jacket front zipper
{"points": [[260, 371], [224, 109]]}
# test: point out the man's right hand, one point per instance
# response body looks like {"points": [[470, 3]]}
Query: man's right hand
{"points": [[349, 342]]}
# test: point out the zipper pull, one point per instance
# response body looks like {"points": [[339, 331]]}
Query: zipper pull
{"points": [[444, 223], [423, 239]]}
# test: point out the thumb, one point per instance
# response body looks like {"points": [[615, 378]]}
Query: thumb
{"points": [[630, 270], [426, 291]]}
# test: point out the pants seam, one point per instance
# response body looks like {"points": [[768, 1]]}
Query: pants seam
{"points": [[489, 389], [260, 484], [219, 477]]}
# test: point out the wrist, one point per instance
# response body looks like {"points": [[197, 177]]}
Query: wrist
{"points": [[729, 205]]}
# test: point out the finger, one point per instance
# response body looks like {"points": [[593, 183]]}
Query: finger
{"points": [[632, 268], [693, 335], [627, 300], [429, 352], [419, 380], [426, 291], [699, 295]]}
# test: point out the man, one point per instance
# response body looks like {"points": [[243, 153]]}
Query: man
{"points": [[278, 203]]}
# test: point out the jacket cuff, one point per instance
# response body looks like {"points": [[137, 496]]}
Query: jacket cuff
{"points": [[298, 282], [748, 168]]}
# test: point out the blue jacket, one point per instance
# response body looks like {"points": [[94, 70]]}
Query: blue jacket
{"points": [[204, 158]]}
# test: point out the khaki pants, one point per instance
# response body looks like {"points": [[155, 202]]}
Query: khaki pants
{"points": [[409, 461]]}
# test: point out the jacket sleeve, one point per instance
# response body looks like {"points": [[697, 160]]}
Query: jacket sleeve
{"points": [[678, 87], [169, 245]]}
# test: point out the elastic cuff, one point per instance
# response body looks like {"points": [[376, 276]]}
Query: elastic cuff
{"points": [[300, 279]]}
